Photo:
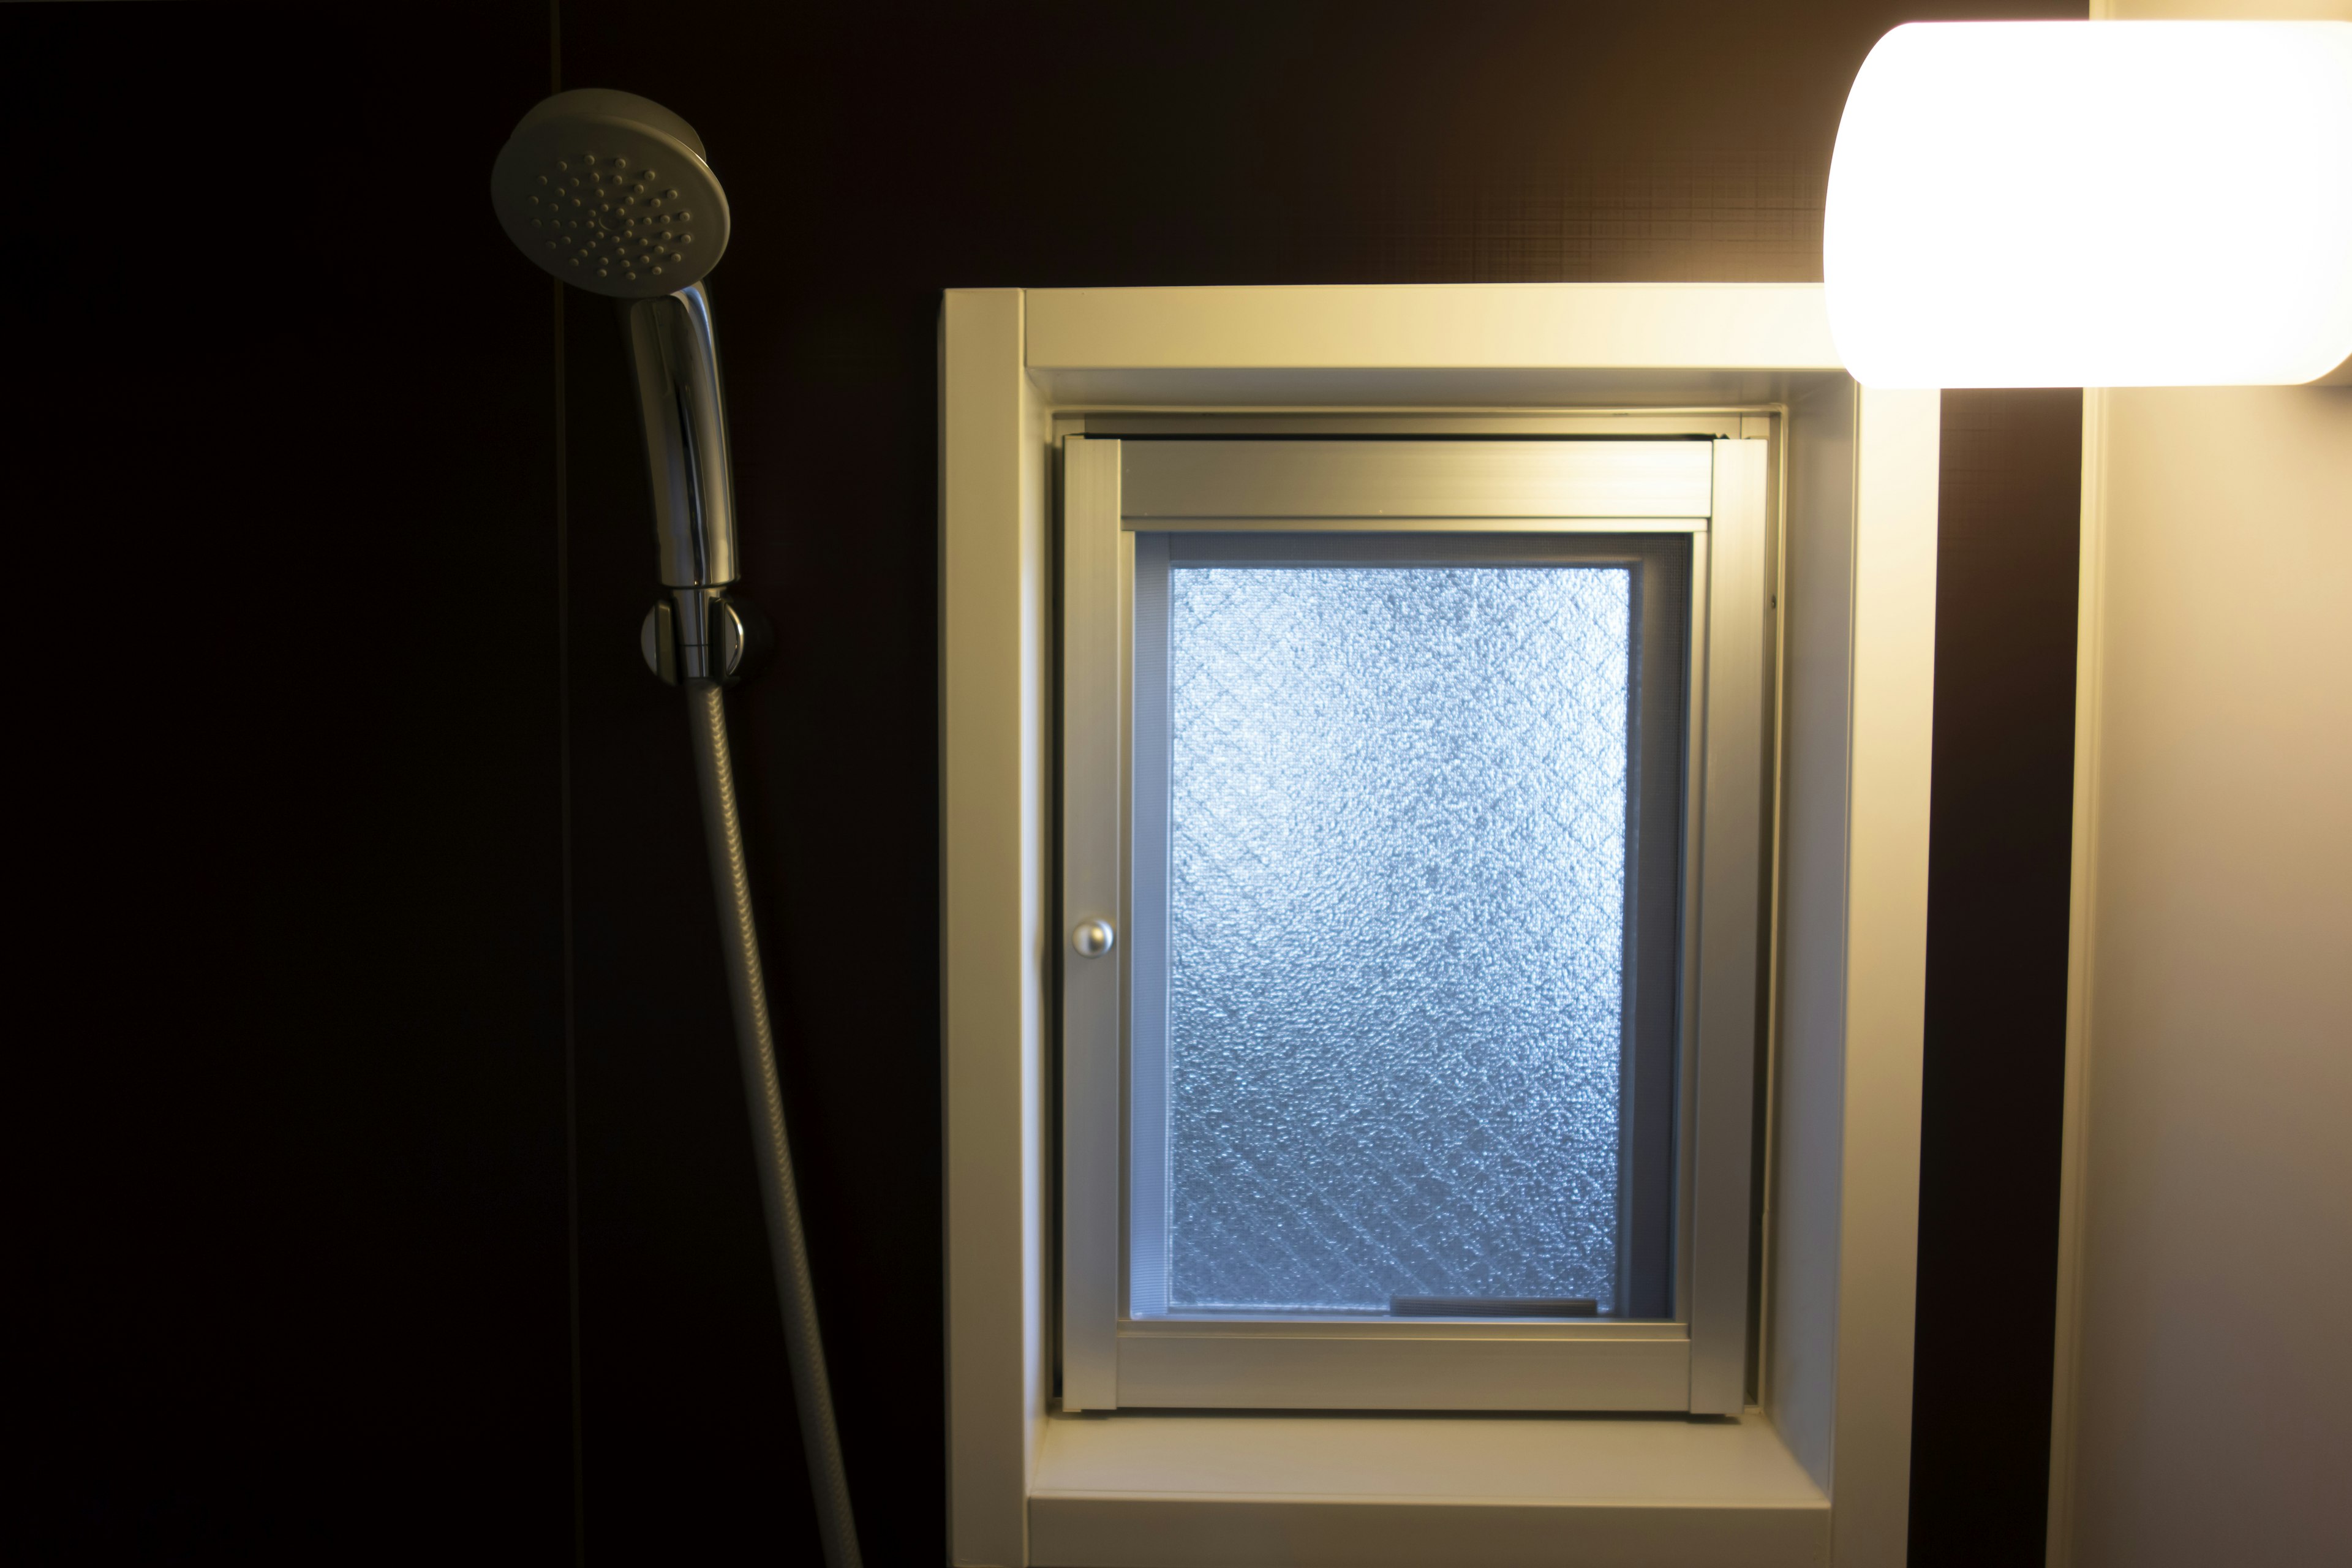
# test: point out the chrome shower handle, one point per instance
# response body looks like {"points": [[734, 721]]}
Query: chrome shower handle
{"points": [[676, 360]]}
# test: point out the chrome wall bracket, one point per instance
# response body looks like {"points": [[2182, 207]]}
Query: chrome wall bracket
{"points": [[704, 633]]}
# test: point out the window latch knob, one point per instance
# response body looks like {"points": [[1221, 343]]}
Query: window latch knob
{"points": [[1093, 938]]}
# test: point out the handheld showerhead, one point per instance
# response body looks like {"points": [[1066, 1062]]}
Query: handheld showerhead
{"points": [[611, 193]]}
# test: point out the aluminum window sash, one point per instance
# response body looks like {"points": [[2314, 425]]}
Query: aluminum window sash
{"points": [[1531, 523], [1724, 959], [1645, 1369], [1657, 830], [1145, 1164], [1658, 841], [1094, 673], [1106, 1356], [1403, 478], [1653, 1244]]}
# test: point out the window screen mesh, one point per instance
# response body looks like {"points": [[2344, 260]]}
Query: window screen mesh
{"points": [[1396, 933]]}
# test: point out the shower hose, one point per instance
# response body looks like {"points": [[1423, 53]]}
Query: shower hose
{"points": [[755, 1045]]}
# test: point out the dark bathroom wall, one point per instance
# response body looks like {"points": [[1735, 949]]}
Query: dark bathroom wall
{"points": [[285, 1092], [401, 973], [286, 1039]]}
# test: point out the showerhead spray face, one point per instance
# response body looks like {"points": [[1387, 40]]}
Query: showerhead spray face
{"points": [[611, 193]]}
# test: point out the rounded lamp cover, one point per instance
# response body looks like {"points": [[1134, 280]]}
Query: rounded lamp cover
{"points": [[2094, 203]]}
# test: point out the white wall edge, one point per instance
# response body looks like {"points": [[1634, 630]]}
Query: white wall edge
{"points": [[1485, 326], [992, 598], [1896, 478]]}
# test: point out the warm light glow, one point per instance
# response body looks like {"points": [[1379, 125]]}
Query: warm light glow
{"points": [[2094, 203]]}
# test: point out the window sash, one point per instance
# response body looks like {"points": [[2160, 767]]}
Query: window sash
{"points": [[1658, 724], [1695, 1358]]}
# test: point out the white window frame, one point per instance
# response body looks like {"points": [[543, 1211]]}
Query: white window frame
{"points": [[1818, 1471], [1121, 496]]}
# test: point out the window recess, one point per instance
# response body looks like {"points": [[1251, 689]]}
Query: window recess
{"points": [[1413, 809]]}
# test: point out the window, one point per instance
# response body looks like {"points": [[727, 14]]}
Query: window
{"points": [[1849, 556], [1412, 804], [1391, 1047]]}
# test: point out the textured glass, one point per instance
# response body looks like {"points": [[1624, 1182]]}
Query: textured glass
{"points": [[1397, 889]]}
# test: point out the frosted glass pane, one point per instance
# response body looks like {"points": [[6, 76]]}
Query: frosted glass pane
{"points": [[1397, 891]]}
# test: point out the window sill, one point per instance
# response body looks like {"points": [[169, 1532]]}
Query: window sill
{"points": [[1231, 1491]]}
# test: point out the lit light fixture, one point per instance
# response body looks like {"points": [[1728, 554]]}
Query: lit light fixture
{"points": [[2094, 203]]}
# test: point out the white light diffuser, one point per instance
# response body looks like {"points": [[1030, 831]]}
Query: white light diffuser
{"points": [[2094, 203]]}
